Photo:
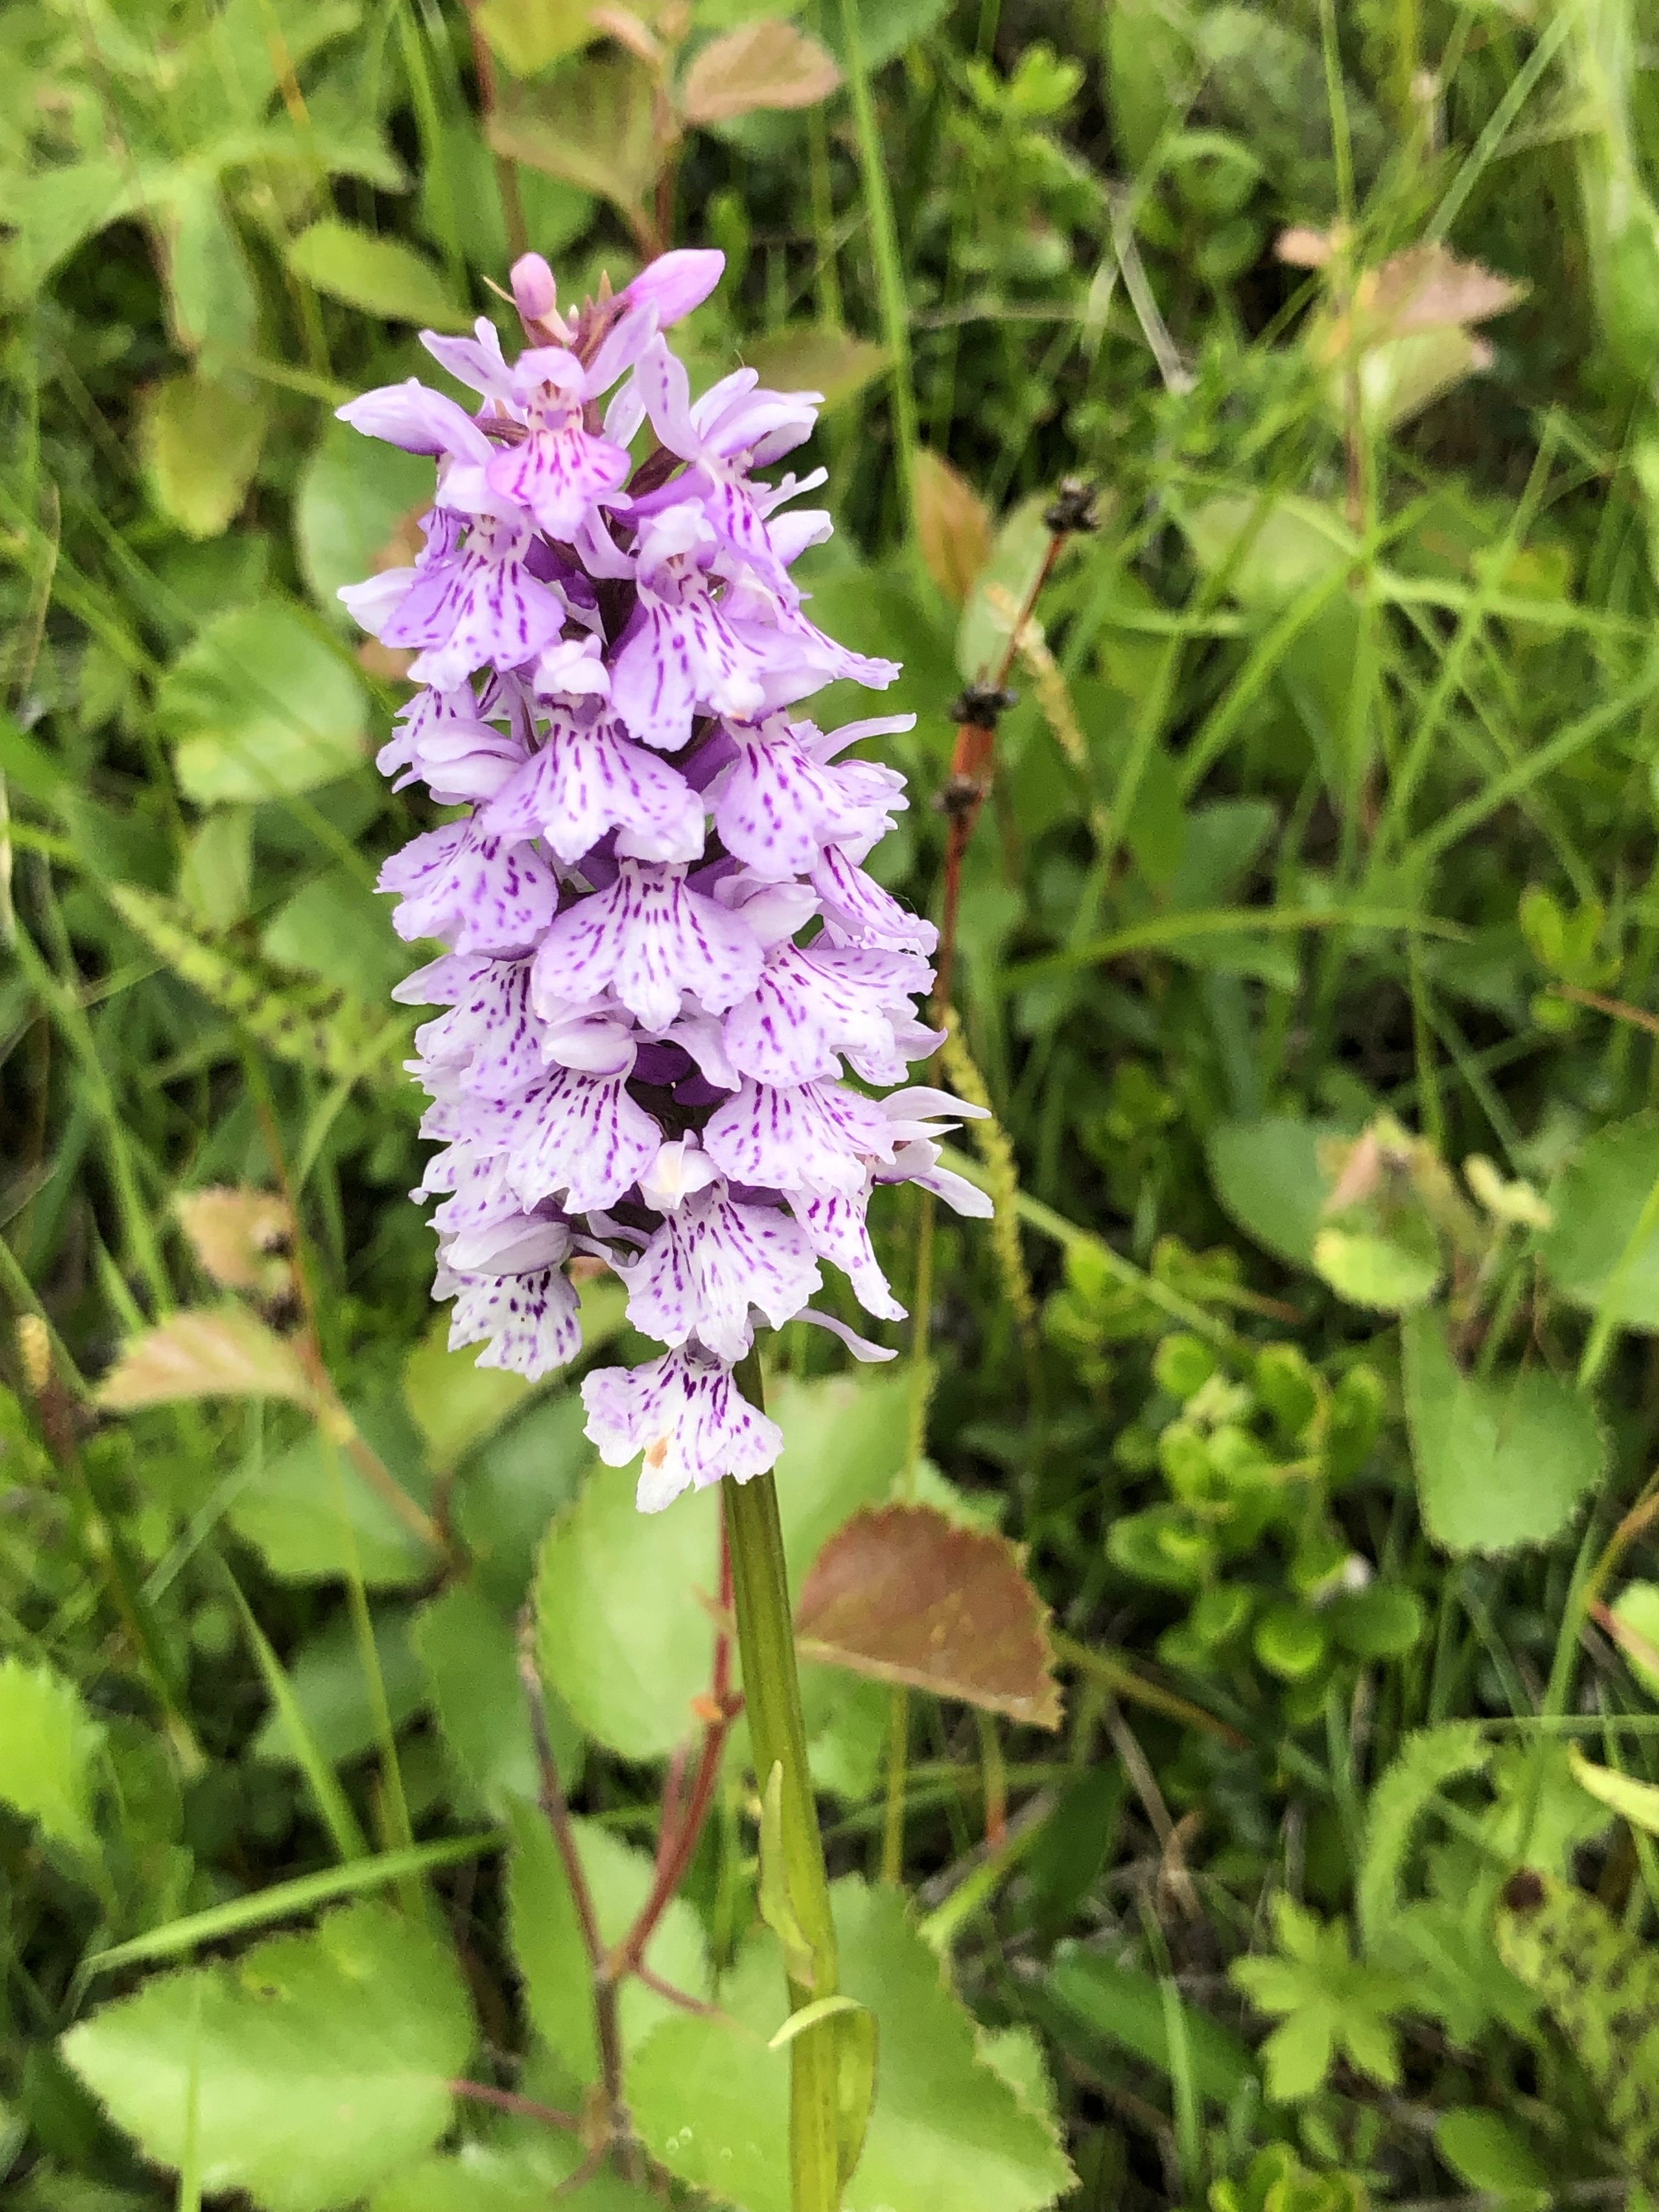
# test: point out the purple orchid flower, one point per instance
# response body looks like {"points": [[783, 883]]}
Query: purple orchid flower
{"points": [[664, 956]]}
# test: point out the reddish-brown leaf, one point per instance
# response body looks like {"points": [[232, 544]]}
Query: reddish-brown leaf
{"points": [[902, 1594]]}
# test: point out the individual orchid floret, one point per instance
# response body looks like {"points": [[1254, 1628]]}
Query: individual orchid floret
{"points": [[663, 955]]}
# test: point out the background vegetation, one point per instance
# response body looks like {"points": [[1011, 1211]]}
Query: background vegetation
{"points": [[1308, 949]]}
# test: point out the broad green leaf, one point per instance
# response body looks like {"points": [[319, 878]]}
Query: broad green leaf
{"points": [[548, 1945], [1127, 2007], [513, 1484], [381, 276], [1267, 1174], [338, 930], [590, 125], [52, 212], [1602, 1987], [1395, 1269], [1018, 553], [259, 707], [455, 1403], [815, 357], [531, 34], [623, 1630], [1501, 1462], [711, 2099], [333, 1692], [1272, 550], [48, 1741], [353, 493], [887, 27], [324, 2059], [210, 289], [1597, 1204], [200, 445], [469, 1654], [525, 2175], [1328, 2002], [625, 1634], [1489, 2154], [215, 877], [289, 1509]]}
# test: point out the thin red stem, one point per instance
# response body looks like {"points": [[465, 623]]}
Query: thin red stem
{"points": [[505, 2100]]}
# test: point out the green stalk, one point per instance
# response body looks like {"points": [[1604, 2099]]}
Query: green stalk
{"points": [[777, 1732], [885, 251]]}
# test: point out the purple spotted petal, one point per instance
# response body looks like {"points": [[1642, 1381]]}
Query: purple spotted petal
{"points": [[711, 1260], [588, 779], [530, 1323], [677, 657], [837, 1230], [477, 892], [558, 472], [811, 1005], [864, 913], [687, 1416], [481, 605], [577, 1139], [651, 940], [816, 1137]]}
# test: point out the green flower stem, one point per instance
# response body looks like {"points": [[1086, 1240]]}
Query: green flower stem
{"points": [[777, 1731]]}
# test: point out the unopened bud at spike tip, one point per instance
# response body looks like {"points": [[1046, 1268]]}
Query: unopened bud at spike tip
{"points": [[534, 292]]}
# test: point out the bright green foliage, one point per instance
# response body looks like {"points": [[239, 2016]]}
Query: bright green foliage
{"points": [[322, 2061], [259, 707], [1601, 1987], [547, 1938], [1127, 2007], [1500, 1462], [709, 2096], [1597, 1202], [1330, 2004], [48, 1747], [1278, 2181], [517, 2178], [1487, 2152]]}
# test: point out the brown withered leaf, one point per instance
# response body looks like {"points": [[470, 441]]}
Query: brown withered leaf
{"points": [[902, 1595], [216, 1351], [953, 526], [764, 64], [240, 1237]]}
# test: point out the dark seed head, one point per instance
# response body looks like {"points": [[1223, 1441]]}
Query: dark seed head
{"points": [[1072, 511], [980, 705]]}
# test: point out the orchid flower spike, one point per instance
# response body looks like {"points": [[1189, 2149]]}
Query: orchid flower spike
{"points": [[664, 954]]}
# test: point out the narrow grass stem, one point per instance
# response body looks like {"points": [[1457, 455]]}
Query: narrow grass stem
{"points": [[777, 1732], [884, 252]]}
